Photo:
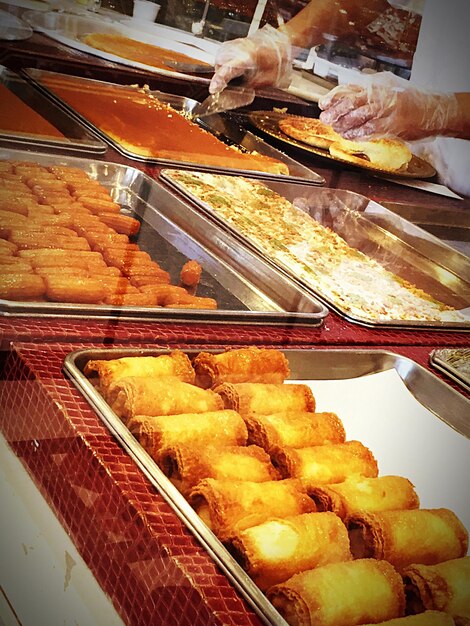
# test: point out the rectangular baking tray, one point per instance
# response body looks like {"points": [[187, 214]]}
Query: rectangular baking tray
{"points": [[306, 365], [70, 29], [241, 138], [77, 139], [402, 247], [247, 290], [454, 363]]}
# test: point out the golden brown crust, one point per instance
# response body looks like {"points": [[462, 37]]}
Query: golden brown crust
{"points": [[294, 429], [359, 493], [254, 365], [426, 536], [352, 592], [320, 465], [265, 397], [277, 549], [309, 130], [385, 154], [441, 587], [232, 506]]}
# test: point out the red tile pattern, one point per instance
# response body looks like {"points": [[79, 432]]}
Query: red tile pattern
{"points": [[335, 330], [144, 558], [142, 555]]}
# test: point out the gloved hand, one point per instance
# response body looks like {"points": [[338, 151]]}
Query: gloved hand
{"points": [[263, 58], [383, 109]]}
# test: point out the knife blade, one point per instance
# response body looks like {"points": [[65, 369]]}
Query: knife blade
{"points": [[237, 94]]}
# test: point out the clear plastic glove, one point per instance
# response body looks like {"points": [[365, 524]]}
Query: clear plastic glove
{"points": [[264, 58], [382, 109]]}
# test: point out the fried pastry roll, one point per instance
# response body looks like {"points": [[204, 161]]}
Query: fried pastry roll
{"points": [[341, 594], [73, 289], [266, 398], [217, 428], [321, 465], [294, 429], [21, 287], [242, 365], [166, 395], [176, 363], [277, 549], [442, 587], [426, 536], [230, 506], [428, 618], [358, 493], [185, 465]]}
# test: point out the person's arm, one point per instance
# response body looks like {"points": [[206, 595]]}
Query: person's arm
{"points": [[334, 17], [363, 112]]}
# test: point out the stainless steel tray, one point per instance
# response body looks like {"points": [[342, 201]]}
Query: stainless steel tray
{"points": [[77, 139], [455, 363], [69, 29], [239, 137], [398, 245], [306, 365], [247, 290]]}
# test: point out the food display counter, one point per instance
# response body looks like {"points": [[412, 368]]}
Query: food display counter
{"points": [[150, 555]]}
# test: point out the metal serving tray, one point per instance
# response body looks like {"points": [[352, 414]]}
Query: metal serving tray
{"points": [[247, 289], [398, 245], [69, 29], [76, 137], [238, 137], [455, 363], [312, 365]]}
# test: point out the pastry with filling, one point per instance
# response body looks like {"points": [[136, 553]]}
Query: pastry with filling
{"points": [[166, 395], [111, 371], [254, 365], [309, 130], [426, 536], [185, 465], [385, 154], [167, 432], [341, 594], [266, 397], [277, 549], [229, 506], [358, 493], [441, 587], [294, 429], [330, 463]]}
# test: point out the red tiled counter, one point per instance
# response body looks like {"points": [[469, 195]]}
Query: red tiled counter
{"points": [[335, 330], [139, 551]]}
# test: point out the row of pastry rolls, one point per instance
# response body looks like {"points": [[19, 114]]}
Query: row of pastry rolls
{"points": [[280, 530], [59, 218], [311, 562]]}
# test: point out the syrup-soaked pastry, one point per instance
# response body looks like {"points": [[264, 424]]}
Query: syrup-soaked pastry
{"points": [[295, 429], [17, 117], [185, 465], [266, 398], [130, 116], [165, 395], [341, 594], [426, 536], [358, 493], [321, 465], [441, 587], [164, 432], [229, 506], [176, 364], [428, 618], [254, 365], [277, 549]]}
